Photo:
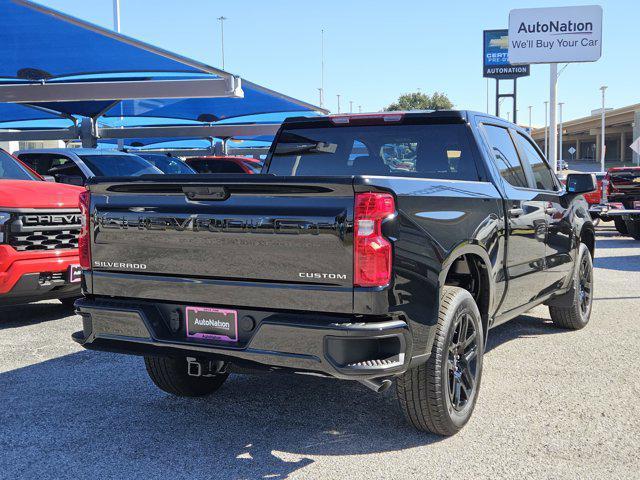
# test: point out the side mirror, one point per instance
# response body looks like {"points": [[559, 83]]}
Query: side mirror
{"points": [[581, 183], [48, 178]]}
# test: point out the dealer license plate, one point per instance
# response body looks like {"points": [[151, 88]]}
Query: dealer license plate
{"points": [[212, 324], [74, 274]]}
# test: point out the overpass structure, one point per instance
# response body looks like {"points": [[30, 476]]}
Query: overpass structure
{"points": [[622, 127]]}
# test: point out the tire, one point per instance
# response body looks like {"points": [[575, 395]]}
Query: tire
{"points": [[621, 226], [426, 392], [633, 228], [574, 308], [170, 375], [68, 302]]}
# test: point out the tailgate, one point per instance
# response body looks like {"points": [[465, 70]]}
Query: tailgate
{"points": [[267, 230], [626, 181]]}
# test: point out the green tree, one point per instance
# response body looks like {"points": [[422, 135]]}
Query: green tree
{"points": [[421, 101]]}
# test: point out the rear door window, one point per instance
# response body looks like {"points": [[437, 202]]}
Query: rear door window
{"points": [[423, 151], [542, 175], [506, 156]]}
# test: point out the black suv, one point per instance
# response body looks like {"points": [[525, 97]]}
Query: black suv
{"points": [[374, 248]]}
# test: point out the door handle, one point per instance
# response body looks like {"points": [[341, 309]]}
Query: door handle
{"points": [[515, 212]]}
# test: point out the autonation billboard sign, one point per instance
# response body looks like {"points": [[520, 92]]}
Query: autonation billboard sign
{"points": [[554, 35]]}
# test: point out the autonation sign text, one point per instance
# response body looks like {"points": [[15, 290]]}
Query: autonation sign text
{"points": [[553, 35]]}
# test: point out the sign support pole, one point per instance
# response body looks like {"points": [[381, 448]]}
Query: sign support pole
{"points": [[515, 101], [553, 107]]}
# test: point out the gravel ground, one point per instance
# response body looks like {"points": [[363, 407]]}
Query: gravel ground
{"points": [[553, 404]]}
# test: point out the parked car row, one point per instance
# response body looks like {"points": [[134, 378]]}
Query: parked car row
{"points": [[75, 166]]}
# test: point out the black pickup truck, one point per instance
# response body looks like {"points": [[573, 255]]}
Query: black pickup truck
{"points": [[372, 248]]}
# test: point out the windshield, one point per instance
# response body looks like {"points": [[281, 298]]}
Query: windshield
{"points": [[428, 151], [168, 165], [118, 165], [10, 169]]}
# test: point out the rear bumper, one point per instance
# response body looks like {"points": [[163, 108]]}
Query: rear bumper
{"points": [[31, 276], [329, 345]]}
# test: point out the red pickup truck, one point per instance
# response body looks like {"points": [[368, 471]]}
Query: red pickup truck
{"points": [[623, 199], [39, 226]]}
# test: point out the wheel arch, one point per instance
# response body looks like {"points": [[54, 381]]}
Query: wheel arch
{"points": [[482, 286], [588, 237]]}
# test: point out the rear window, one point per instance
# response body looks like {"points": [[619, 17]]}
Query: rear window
{"points": [[428, 151], [118, 165]]}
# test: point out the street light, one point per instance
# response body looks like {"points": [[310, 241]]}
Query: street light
{"points": [[602, 144], [546, 130], [560, 138], [222, 19], [321, 68], [338, 95], [116, 27], [530, 125], [359, 108], [350, 106]]}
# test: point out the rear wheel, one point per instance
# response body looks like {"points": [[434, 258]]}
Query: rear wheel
{"points": [[575, 309], [633, 228], [172, 375], [621, 226], [439, 395]]}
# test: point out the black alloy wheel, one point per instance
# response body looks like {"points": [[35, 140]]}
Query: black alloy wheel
{"points": [[462, 362], [585, 277]]}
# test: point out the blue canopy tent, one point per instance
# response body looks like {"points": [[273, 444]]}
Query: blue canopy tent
{"points": [[39, 71]]}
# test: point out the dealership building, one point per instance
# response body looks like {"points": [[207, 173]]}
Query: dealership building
{"points": [[622, 127]]}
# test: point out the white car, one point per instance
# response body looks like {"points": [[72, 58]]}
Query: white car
{"points": [[75, 165]]}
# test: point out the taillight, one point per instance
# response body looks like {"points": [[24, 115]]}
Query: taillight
{"points": [[84, 239], [372, 252]]}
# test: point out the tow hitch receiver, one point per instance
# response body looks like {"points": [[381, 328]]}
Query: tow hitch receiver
{"points": [[209, 368]]}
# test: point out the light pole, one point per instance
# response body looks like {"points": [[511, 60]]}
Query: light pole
{"points": [[530, 125], [359, 108], [321, 68], [553, 122], [338, 95], [222, 19], [546, 130], [350, 106], [116, 27], [116, 15], [602, 143], [508, 116], [560, 138]]}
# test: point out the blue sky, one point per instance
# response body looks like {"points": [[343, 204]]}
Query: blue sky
{"points": [[375, 50]]}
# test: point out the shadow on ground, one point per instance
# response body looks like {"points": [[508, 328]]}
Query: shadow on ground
{"points": [[15, 316], [98, 412], [619, 242], [627, 263]]}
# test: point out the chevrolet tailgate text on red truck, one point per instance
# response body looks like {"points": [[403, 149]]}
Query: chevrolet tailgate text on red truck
{"points": [[39, 228], [375, 248]]}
